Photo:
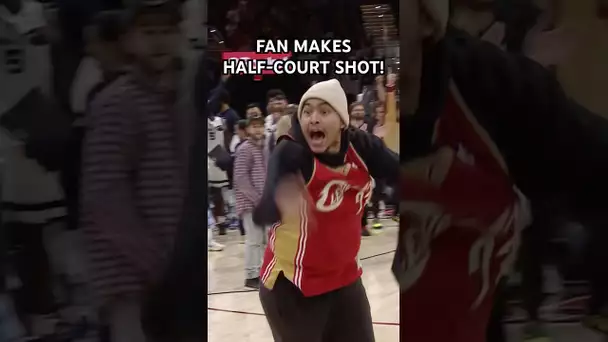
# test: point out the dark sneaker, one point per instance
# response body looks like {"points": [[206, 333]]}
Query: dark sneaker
{"points": [[535, 332], [365, 232], [252, 283]]}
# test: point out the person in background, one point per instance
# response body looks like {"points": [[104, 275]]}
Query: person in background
{"points": [[283, 126], [32, 197], [253, 109], [229, 116], [376, 124], [106, 57], [291, 109], [276, 104], [319, 296], [240, 138], [357, 120], [219, 166], [376, 127], [249, 176], [134, 167], [357, 116], [104, 61], [212, 244]]}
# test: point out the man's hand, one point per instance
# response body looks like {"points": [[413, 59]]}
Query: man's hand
{"points": [[292, 199]]}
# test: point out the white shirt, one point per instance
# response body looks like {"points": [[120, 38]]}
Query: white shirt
{"points": [[234, 142], [87, 76], [24, 181], [215, 132]]}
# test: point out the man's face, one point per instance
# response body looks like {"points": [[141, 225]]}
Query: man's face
{"points": [[255, 111], [357, 115], [154, 44], [255, 130], [276, 107], [321, 126]]}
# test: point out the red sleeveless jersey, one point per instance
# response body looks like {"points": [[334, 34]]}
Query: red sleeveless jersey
{"points": [[448, 271], [322, 257]]}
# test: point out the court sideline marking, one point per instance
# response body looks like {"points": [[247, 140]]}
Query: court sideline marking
{"points": [[261, 314]]}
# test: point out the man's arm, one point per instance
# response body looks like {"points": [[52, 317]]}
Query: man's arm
{"points": [[553, 145], [381, 161], [285, 161], [109, 205]]}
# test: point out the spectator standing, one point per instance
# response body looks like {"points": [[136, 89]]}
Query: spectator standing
{"points": [[32, 198], [276, 104], [134, 172], [249, 177]]}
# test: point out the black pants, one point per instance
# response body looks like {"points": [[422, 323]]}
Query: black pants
{"points": [[377, 196], [597, 270], [338, 316], [533, 253], [218, 202], [35, 297], [495, 331]]}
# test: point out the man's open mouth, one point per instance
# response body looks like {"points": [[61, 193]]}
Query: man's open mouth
{"points": [[317, 136]]}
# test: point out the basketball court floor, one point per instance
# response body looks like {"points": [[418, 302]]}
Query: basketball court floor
{"points": [[235, 313]]}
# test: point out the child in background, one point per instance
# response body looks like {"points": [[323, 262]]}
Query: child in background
{"points": [[250, 163]]}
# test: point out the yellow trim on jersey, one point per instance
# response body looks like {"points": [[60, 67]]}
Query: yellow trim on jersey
{"points": [[288, 244]]}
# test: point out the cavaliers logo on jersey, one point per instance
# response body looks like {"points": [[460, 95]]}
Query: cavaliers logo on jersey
{"points": [[332, 195]]}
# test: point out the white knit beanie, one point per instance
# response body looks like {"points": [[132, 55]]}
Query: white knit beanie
{"points": [[331, 92]]}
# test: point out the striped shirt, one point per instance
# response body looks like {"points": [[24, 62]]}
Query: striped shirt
{"points": [[132, 185], [249, 175]]}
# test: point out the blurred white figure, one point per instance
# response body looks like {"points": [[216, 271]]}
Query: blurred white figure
{"points": [[212, 245]]}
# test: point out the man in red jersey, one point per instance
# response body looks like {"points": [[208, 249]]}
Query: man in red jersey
{"points": [[320, 178], [486, 125]]}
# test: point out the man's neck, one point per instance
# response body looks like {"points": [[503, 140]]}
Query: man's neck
{"points": [[335, 147], [224, 108]]}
